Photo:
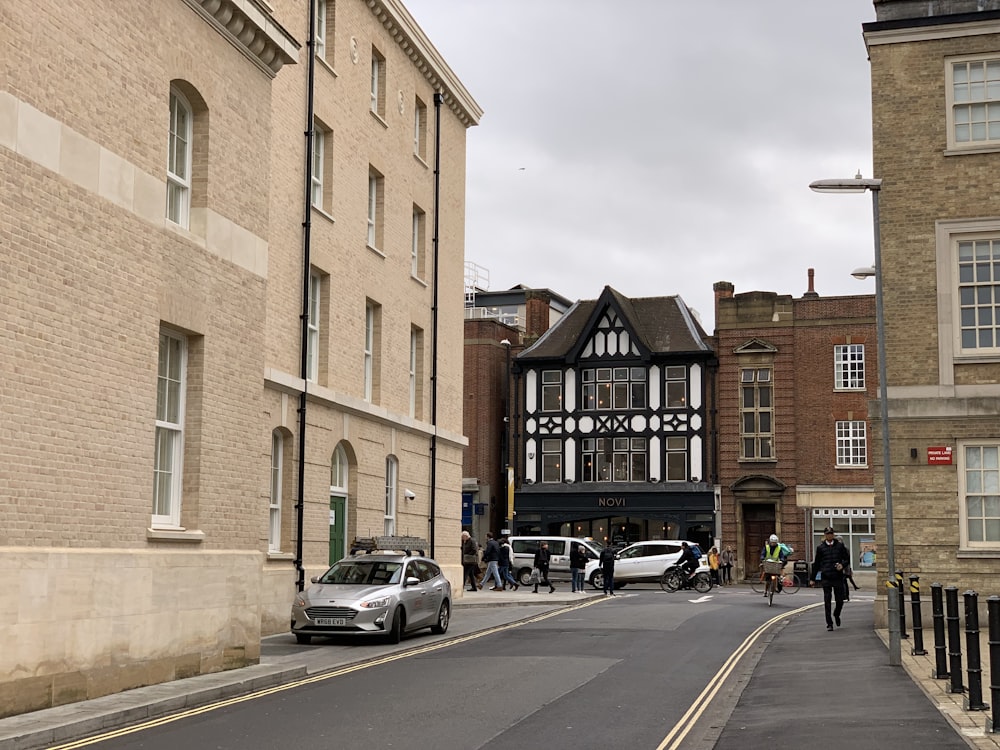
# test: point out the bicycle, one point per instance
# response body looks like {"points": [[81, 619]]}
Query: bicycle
{"points": [[675, 578], [772, 579]]}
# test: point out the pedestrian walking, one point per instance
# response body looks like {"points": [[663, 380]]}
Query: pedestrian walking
{"points": [[726, 561], [491, 556], [506, 555], [578, 558], [607, 560], [829, 563], [470, 562], [542, 558], [713, 566]]}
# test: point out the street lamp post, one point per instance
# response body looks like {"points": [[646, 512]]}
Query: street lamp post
{"points": [[861, 185]]}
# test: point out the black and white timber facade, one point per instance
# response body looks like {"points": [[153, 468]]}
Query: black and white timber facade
{"points": [[615, 440]]}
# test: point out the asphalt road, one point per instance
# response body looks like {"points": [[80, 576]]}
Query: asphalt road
{"points": [[628, 671]]}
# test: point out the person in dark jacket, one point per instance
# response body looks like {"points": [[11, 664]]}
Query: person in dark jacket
{"points": [[578, 559], [542, 558], [607, 559], [506, 557], [470, 561], [491, 556], [829, 563]]}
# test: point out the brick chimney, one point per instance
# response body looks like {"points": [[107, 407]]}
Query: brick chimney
{"points": [[811, 291], [723, 290]]}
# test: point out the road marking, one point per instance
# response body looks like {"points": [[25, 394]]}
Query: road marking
{"points": [[673, 740], [701, 599], [125, 731]]}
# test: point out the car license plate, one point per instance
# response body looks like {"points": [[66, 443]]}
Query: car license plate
{"points": [[331, 621]]}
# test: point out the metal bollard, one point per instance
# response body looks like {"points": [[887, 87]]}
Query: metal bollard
{"points": [[902, 607], [940, 671], [954, 638], [918, 627], [974, 700], [993, 617]]}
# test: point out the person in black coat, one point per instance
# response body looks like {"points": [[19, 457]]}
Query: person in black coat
{"points": [[607, 559], [831, 559], [578, 559], [542, 558]]}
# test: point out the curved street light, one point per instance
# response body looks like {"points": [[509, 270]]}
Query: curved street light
{"points": [[860, 185]]}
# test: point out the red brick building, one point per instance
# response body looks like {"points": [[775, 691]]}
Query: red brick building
{"points": [[794, 441]]}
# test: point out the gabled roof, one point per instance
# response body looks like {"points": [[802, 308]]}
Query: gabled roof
{"points": [[658, 325]]}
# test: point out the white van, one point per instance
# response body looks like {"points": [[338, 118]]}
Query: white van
{"points": [[525, 547]]}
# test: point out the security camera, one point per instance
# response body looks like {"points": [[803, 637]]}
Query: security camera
{"points": [[409, 494]]}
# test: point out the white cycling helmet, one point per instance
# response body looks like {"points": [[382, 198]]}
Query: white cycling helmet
{"points": [[773, 539]]}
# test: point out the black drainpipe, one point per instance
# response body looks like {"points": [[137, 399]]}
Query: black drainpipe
{"points": [[300, 579], [438, 99]]}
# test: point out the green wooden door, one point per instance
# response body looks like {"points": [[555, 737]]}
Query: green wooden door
{"points": [[338, 527]]}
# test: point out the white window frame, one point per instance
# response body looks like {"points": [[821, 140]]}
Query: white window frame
{"points": [[552, 391], [274, 500], [375, 188], [378, 84], [675, 445], [369, 349], [849, 367], [852, 443], [319, 41], [417, 242], [318, 157], [419, 128], [414, 336], [980, 480], [179, 147], [759, 379], [315, 321], [391, 491], [168, 453], [973, 102], [552, 460]]}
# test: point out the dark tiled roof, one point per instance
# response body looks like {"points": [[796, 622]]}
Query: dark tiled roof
{"points": [[663, 325]]}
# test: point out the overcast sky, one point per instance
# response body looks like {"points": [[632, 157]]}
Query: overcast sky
{"points": [[659, 146]]}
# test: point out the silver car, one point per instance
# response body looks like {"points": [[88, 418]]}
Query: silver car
{"points": [[382, 593]]}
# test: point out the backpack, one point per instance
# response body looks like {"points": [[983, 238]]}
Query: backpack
{"points": [[607, 556], [696, 551]]}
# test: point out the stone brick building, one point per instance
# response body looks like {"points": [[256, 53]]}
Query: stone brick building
{"points": [[935, 68], [208, 387], [794, 453]]}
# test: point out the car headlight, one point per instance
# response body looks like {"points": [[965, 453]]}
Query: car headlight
{"points": [[376, 603], [300, 601]]}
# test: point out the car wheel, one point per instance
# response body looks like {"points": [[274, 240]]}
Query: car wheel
{"points": [[524, 576], [304, 638], [597, 579], [395, 634], [444, 617]]}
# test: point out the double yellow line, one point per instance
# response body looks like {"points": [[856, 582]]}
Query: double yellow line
{"points": [[314, 679], [681, 729]]}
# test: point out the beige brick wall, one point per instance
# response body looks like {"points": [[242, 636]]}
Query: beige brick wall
{"points": [[91, 272], [922, 185]]}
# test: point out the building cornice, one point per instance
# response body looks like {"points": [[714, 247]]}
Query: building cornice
{"points": [[929, 30], [428, 61], [250, 29]]}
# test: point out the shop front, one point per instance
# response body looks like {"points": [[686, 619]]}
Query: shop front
{"points": [[619, 519]]}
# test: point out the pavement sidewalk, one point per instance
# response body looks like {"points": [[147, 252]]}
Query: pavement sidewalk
{"points": [[806, 683]]}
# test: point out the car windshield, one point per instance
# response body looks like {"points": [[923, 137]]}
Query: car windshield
{"points": [[363, 572]]}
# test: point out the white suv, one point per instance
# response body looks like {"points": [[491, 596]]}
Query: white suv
{"points": [[643, 562]]}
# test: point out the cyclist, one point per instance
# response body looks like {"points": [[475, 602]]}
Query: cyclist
{"points": [[687, 560], [775, 550]]}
